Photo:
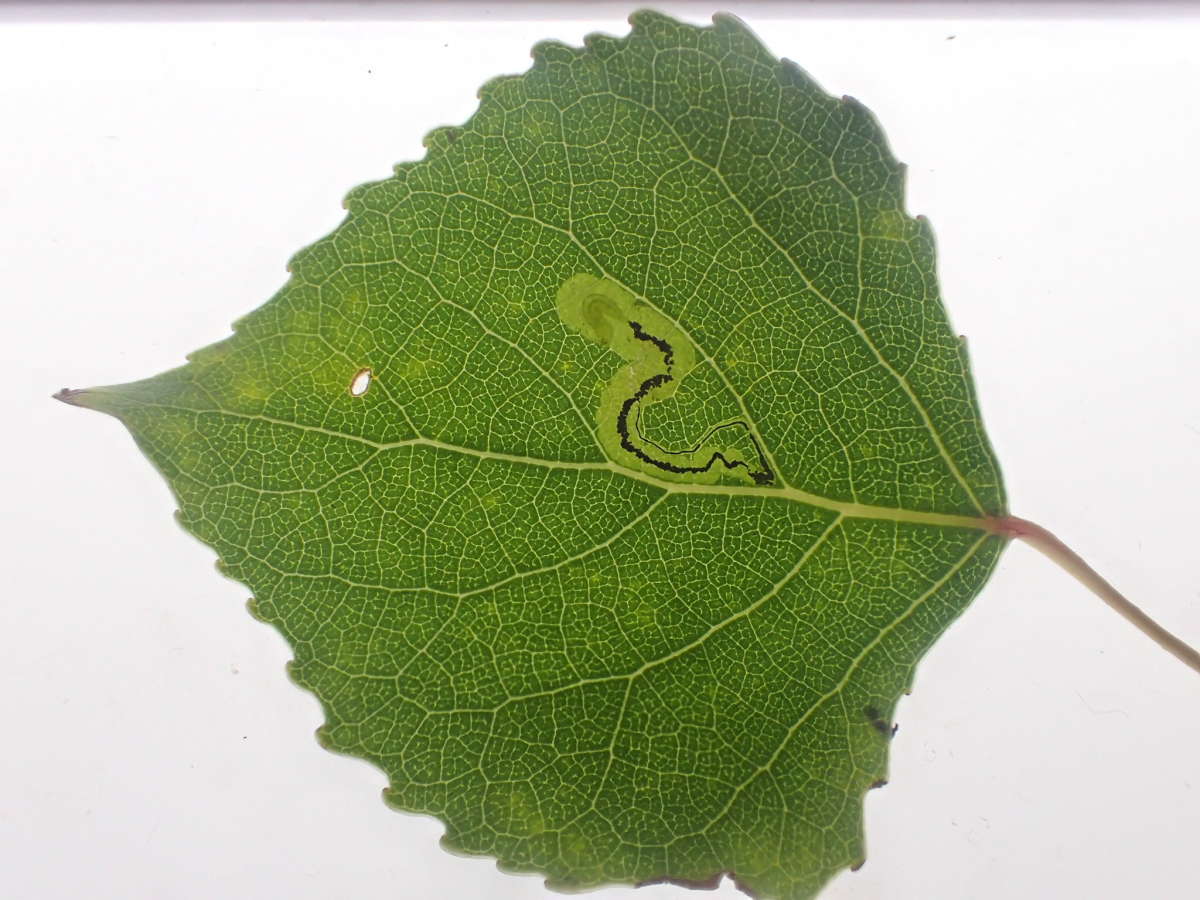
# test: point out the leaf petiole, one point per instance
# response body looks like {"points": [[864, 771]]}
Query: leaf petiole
{"points": [[1049, 545]]}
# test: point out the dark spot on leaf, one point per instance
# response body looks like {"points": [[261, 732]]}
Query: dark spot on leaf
{"points": [[878, 722]]}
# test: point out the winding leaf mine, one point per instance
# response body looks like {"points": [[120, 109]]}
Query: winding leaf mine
{"points": [[669, 470]]}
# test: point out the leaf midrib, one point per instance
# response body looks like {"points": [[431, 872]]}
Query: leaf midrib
{"points": [[841, 507]]}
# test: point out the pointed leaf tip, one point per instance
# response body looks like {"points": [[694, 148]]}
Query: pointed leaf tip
{"points": [[98, 399], [87, 398], [69, 396]]}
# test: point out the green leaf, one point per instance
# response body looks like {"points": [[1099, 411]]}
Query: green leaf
{"points": [[610, 469]]}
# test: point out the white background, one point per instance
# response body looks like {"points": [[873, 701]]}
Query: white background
{"points": [[157, 169]]}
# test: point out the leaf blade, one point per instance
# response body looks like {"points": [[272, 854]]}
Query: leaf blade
{"points": [[479, 391]]}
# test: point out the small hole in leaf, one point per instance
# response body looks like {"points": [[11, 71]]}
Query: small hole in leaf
{"points": [[360, 382]]}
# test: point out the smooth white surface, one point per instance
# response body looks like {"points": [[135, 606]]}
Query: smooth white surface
{"points": [[154, 179]]}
